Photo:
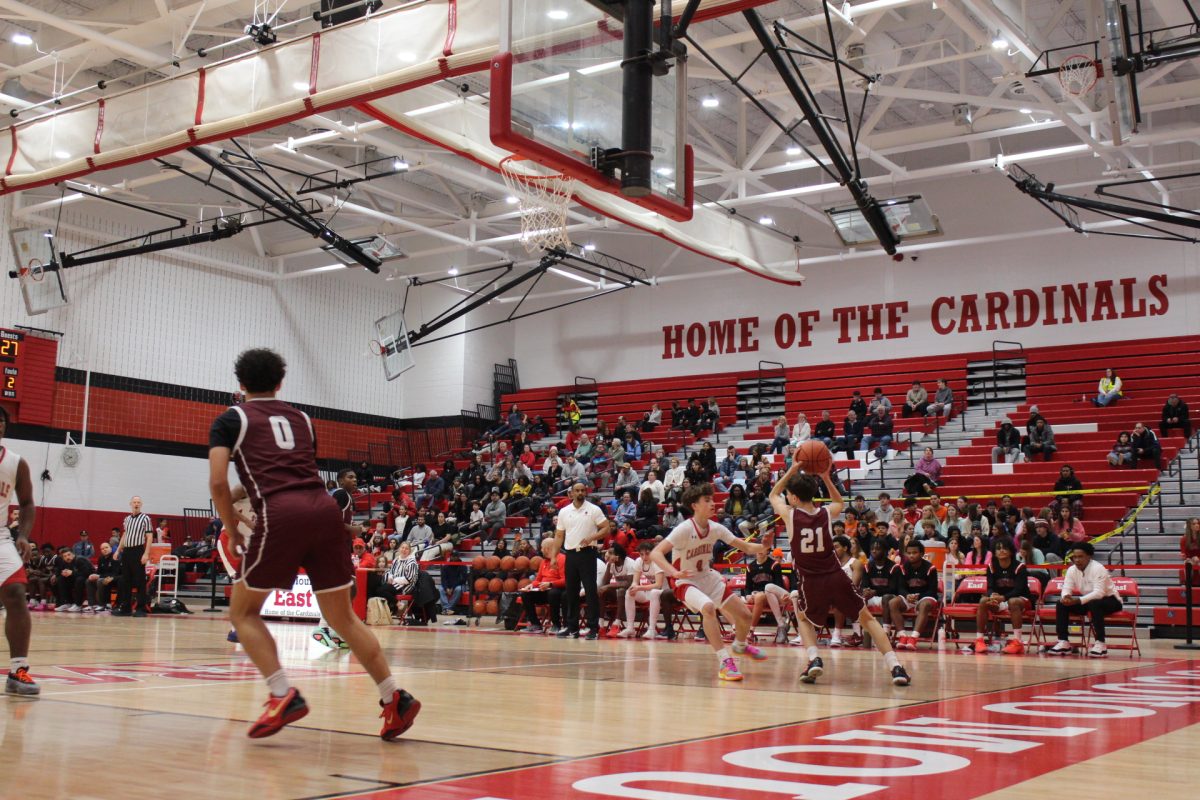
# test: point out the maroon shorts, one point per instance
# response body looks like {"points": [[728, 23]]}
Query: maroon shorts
{"points": [[819, 593], [301, 529]]}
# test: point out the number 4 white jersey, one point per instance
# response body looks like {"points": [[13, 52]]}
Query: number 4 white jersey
{"points": [[8, 487], [691, 549]]}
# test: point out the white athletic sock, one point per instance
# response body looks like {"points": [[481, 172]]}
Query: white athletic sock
{"points": [[891, 659], [857, 628], [739, 646], [387, 687], [278, 684], [842, 632], [18, 663], [723, 654], [1016, 634], [813, 653]]}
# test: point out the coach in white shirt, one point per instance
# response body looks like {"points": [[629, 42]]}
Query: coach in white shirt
{"points": [[580, 526], [1087, 589]]}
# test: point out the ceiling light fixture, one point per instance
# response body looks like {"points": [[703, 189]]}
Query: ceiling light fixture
{"points": [[557, 13], [453, 271], [399, 165], [300, 86], [793, 151], [589, 247], [710, 102], [61, 154], [512, 201], [23, 39], [766, 221], [999, 43]]}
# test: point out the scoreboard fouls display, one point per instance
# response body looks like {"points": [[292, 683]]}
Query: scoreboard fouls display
{"points": [[27, 376]]}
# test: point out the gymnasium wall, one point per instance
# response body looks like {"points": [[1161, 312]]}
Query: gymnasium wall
{"points": [[1044, 290]]}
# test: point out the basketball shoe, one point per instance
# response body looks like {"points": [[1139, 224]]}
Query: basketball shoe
{"points": [[729, 671], [328, 637], [398, 714], [752, 651], [20, 683], [1015, 647], [981, 646], [280, 711], [899, 676], [814, 670]]}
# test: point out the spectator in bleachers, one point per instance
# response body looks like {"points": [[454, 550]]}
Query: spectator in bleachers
{"points": [[522, 546], [737, 508], [1047, 540], [1068, 487], [571, 440], [572, 472], [552, 467], [1175, 415], [759, 515], [880, 427], [884, 508], [102, 582], [930, 535], [626, 480], [1109, 389], [951, 520], [494, 515], [601, 463], [420, 534], [916, 401], [927, 475], [570, 412], [547, 588], [518, 496], [943, 400], [1032, 557], [633, 448], [979, 555], [1087, 589], [655, 486], [431, 489], [825, 431], [710, 416], [528, 458], [365, 475], [852, 433], [1040, 440], [460, 509], [782, 433], [84, 547], [1145, 445], [70, 580], [538, 427], [678, 416], [801, 431], [626, 509], [1122, 452], [696, 474], [693, 413], [1067, 527], [1008, 444], [858, 405], [726, 469], [651, 419], [879, 400], [1189, 548], [673, 482], [583, 453], [708, 457]]}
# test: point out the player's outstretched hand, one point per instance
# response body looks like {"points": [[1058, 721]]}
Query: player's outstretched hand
{"points": [[24, 548]]}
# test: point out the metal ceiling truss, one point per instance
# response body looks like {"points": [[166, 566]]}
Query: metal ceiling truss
{"points": [[606, 273]]}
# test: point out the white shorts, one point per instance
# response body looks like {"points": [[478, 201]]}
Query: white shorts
{"points": [[907, 606], [702, 588], [12, 568], [875, 603]]}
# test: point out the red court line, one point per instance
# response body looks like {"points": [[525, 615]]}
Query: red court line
{"points": [[958, 748]]}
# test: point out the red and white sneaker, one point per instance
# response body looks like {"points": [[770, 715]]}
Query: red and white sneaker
{"points": [[398, 714], [280, 711], [1015, 647]]}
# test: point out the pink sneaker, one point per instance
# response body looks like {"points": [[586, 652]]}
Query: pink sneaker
{"points": [[753, 652]]}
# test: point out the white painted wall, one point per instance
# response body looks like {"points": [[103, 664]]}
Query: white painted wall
{"points": [[621, 337]]}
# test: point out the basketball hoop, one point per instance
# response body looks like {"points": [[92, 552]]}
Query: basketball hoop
{"points": [[33, 271], [375, 348], [1078, 74], [543, 200]]}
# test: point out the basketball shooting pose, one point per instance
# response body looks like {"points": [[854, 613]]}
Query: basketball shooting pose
{"points": [[14, 549], [297, 525], [822, 582], [701, 588]]}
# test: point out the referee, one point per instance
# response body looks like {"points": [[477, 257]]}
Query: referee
{"points": [[580, 526], [138, 528]]}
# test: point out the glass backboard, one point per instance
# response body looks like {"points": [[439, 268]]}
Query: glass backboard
{"points": [[392, 345], [557, 99], [909, 217]]}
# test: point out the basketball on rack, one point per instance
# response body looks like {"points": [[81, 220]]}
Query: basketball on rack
{"points": [[481, 585], [814, 457]]}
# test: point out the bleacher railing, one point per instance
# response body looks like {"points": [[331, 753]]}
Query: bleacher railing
{"points": [[766, 371], [1004, 353]]}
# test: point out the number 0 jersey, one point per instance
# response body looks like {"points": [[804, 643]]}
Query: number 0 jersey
{"points": [[692, 550], [812, 543], [273, 447]]}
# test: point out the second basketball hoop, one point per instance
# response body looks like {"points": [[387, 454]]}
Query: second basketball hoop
{"points": [[1078, 75]]}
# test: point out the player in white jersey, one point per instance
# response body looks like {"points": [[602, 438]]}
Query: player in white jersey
{"points": [[647, 587], [698, 586], [14, 549], [231, 557]]}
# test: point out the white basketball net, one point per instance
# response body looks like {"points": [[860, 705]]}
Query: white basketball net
{"points": [[543, 200], [1077, 75]]}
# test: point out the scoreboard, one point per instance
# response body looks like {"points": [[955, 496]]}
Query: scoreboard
{"points": [[27, 376]]}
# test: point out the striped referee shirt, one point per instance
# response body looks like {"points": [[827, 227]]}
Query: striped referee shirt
{"points": [[403, 573], [137, 530]]}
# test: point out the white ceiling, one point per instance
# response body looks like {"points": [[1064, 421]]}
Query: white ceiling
{"points": [[931, 55]]}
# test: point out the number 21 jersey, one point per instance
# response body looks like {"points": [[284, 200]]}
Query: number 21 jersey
{"points": [[812, 542]]}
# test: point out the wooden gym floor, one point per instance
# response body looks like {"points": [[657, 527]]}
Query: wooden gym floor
{"points": [[147, 707]]}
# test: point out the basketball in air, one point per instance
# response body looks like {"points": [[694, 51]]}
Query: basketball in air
{"points": [[814, 457]]}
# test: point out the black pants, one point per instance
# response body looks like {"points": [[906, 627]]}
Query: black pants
{"points": [[581, 570], [133, 576], [552, 597], [1098, 609], [1186, 427], [69, 589]]}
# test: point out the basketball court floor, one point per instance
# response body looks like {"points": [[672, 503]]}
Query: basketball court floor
{"points": [[134, 708]]}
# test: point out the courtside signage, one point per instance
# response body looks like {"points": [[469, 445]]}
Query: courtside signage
{"points": [[297, 603], [959, 748]]}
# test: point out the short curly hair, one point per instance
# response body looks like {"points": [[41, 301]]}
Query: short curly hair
{"points": [[260, 369]]}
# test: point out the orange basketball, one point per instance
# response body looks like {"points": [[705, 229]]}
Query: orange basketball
{"points": [[481, 585], [522, 564], [493, 562], [814, 457], [510, 584], [507, 562], [521, 584], [480, 607], [535, 563], [479, 564], [493, 607], [495, 585]]}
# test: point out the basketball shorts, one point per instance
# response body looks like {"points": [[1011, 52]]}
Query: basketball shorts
{"points": [[907, 606], [875, 604], [301, 529], [12, 568], [818, 593], [700, 589]]}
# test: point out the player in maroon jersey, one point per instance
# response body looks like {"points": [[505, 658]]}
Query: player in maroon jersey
{"points": [[821, 581], [298, 525]]}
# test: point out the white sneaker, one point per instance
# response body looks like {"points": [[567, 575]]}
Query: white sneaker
{"points": [[1099, 650], [63, 607], [798, 641], [626, 633], [1060, 649], [836, 641], [74, 609], [650, 634]]}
